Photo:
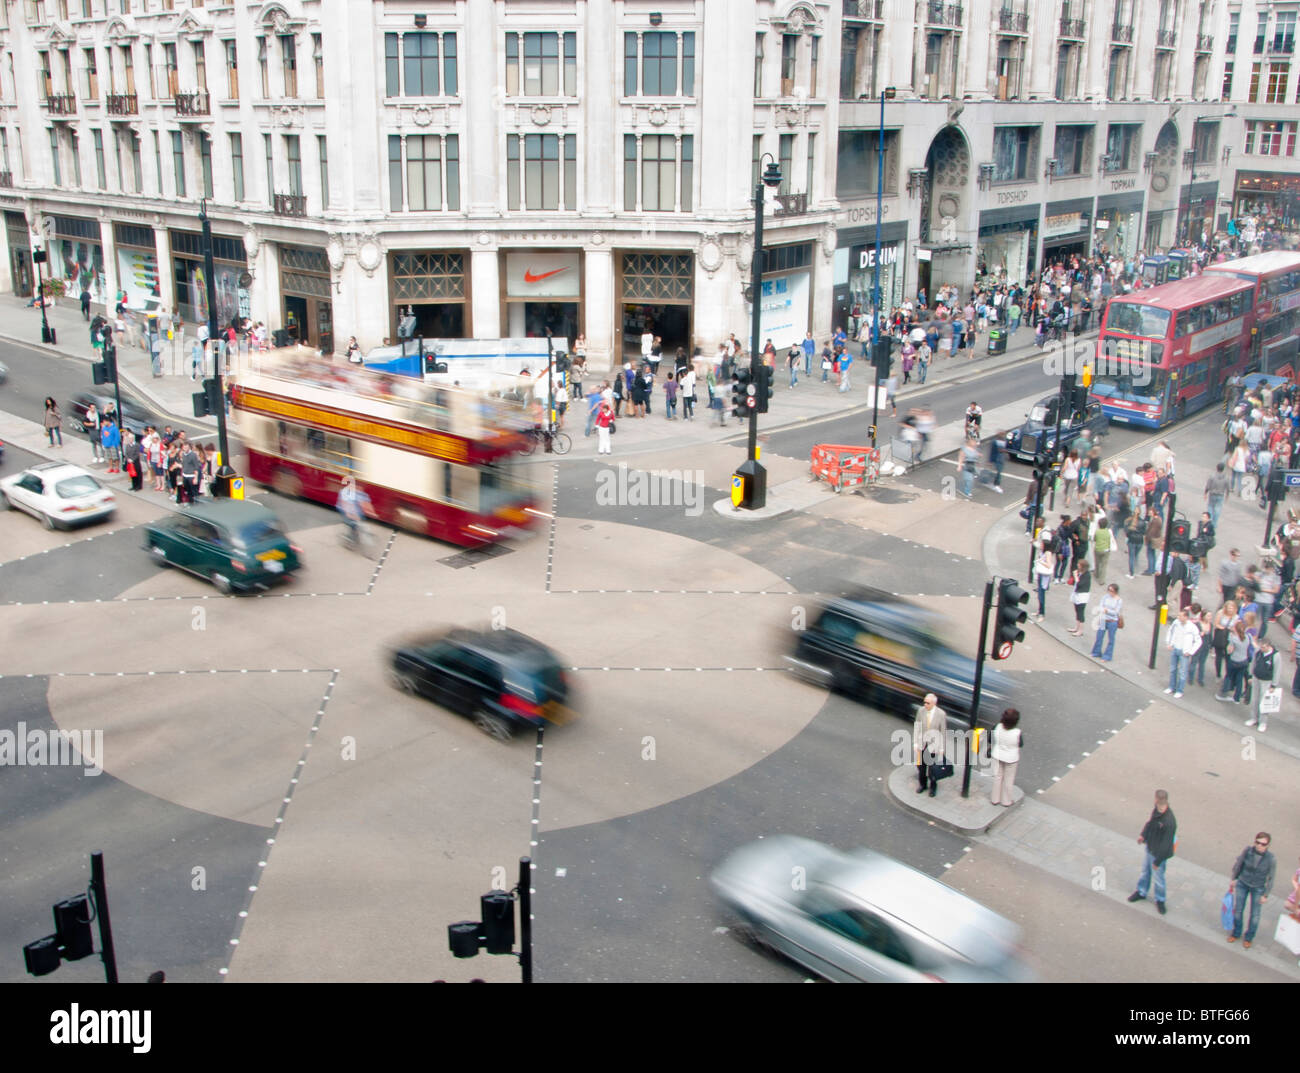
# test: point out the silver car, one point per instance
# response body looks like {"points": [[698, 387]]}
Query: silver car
{"points": [[863, 917]]}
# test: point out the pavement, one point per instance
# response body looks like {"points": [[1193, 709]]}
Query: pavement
{"points": [[1226, 781], [808, 403]]}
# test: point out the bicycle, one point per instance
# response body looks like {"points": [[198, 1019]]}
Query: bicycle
{"points": [[560, 443], [357, 538]]}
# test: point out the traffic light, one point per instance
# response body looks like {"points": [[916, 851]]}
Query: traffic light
{"points": [[1180, 536], [498, 909], [105, 372], [1011, 613], [742, 391], [1079, 399], [881, 356], [208, 402], [1085, 377], [1276, 490], [764, 393]]}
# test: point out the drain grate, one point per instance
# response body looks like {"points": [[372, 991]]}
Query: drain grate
{"points": [[475, 556]]}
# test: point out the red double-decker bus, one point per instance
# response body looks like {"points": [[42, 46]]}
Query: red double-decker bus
{"points": [[1276, 279], [433, 460], [1166, 351]]}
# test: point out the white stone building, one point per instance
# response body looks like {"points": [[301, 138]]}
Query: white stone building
{"points": [[508, 166]]}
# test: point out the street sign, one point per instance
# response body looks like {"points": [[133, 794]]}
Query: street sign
{"points": [[751, 402], [236, 487], [1292, 479], [1004, 650]]}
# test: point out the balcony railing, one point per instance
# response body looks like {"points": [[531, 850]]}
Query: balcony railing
{"points": [[1285, 47], [864, 9], [196, 103], [1076, 28], [290, 205], [123, 104], [61, 103], [6, 178], [1016, 22], [1166, 38], [1205, 43], [938, 14], [1122, 34]]}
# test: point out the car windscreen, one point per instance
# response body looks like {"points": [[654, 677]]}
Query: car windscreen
{"points": [[538, 683], [258, 533], [73, 487]]}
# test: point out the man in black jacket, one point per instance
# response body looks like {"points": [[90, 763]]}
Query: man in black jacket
{"points": [[1254, 872], [1159, 836]]}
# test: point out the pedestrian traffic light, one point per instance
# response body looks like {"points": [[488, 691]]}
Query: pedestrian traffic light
{"points": [[743, 391], [1079, 399], [764, 393], [498, 909], [1010, 615], [105, 372]]}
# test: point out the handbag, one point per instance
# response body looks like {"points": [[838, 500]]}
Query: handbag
{"points": [[612, 428], [1119, 624], [940, 771], [131, 471], [1288, 933], [1226, 910]]}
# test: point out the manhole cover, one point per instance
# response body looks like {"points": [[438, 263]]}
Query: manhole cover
{"points": [[474, 556], [889, 495]]}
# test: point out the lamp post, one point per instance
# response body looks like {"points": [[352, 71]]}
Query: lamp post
{"points": [[38, 259], [221, 479], [751, 470], [888, 93]]}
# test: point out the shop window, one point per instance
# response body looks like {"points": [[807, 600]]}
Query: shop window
{"points": [[1121, 145], [424, 277], [1073, 149], [658, 277], [856, 163], [1015, 153]]}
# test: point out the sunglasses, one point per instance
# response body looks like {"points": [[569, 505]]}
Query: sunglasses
{"points": [[1261, 842]]}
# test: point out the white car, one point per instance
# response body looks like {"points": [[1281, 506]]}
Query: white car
{"points": [[57, 493]]}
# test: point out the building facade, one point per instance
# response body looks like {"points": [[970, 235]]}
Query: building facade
{"points": [[511, 167]]}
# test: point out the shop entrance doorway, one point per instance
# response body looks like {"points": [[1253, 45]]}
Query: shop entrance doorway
{"points": [[538, 319], [672, 323]]}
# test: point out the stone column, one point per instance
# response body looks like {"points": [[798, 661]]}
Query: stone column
{"points": [[599, 145], [602, 325], [483, 111], [485, 287]]}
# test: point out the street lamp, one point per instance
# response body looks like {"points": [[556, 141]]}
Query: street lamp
{"points": [[222, 478], [886, 94], [751, 472], [38, 259]]}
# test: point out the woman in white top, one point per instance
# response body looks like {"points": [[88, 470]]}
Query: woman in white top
{"points": [[1044, 568], [1070, 475], [1005, 751]]}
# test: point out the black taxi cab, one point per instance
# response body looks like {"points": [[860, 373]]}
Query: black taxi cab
{"points": [[238, 545]]}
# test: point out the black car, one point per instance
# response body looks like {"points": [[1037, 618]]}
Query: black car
{"points": [[876, 647], [135, 417], [1039, 430], [503, 680]]}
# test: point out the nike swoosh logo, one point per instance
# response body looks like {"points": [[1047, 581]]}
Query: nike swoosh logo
{"points": [[529, 277]]}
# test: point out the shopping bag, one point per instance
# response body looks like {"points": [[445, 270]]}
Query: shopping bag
{"points": [[1271, 702], [1288, 933], [1226, 911]]}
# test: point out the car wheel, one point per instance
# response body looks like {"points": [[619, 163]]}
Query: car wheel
{"points": [[1182, 410], [4, 501], [402, 680], [493, 725], [222, 583], [158, 554]]}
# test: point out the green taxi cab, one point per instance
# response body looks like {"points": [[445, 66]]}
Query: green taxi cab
{"points": [[238, 545]]}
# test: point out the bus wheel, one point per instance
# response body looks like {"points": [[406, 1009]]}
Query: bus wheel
{"points": [[1181, 412], [286, 482]]}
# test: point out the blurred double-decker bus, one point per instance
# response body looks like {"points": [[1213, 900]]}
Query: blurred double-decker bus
{"points": [[434, 460]]}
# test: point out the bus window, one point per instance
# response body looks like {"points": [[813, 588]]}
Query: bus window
{"points": [[500, 485], [1134, 319], [1144, 385]]}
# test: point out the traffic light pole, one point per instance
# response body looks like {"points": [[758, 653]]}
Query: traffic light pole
{"points": [[1273, 491], [751, 470], [1035, 511], [525, 920], [221, 479], [99, 890], [1162, 583], [39, 257], [1057, 453], [979, 683]]}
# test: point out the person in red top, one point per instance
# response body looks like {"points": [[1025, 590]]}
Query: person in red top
{"points": [[604, 422], [1149, 484]]}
